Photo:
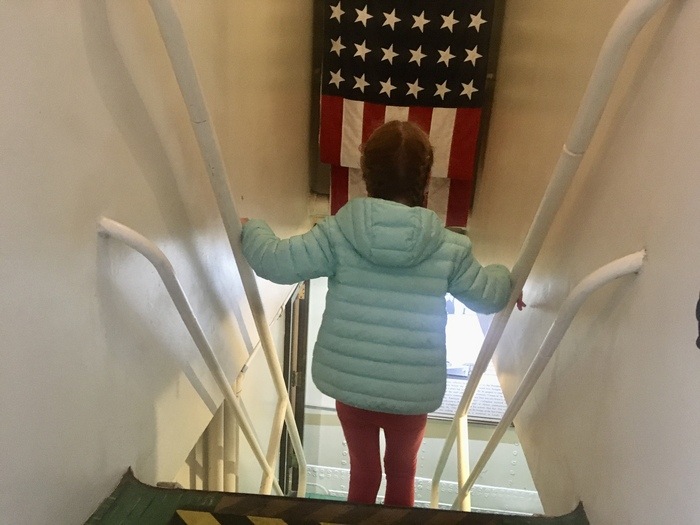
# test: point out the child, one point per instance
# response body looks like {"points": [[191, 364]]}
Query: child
{"points": [[380, 351]]}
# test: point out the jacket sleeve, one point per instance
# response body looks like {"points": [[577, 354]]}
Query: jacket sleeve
{"points": [[288, 261], [483, 289]]}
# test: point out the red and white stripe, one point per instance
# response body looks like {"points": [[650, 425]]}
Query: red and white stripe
{"points": [[453, 132], [346, 124], [449, 198]]}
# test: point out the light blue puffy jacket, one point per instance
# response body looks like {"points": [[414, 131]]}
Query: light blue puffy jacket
{"points": [[381, 345]]}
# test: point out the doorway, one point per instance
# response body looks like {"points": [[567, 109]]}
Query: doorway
{"points": [[296, 324]]}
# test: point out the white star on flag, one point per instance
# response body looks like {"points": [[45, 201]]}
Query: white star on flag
{"points": [[337, 12], [391, 19], [420, 21], [336, 46], [445, 56], [441, 90], [468, 89], [389, 54], [476, 21], [336, 78], [417, 55], [424, 62], [361, 83], [448, 21], [414, 89], [362, 50], [362, 16], [472, 55], [387, 87]]}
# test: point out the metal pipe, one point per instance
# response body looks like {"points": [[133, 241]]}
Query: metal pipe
{"points": [[273, 446], [626, 27], [624, 266], [109, 228], [215, 449], [463, 460], [186, 74], [230, 449]]}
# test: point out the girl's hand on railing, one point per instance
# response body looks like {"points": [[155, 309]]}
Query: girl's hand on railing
{"points": [[519, 303], [244, 220]]}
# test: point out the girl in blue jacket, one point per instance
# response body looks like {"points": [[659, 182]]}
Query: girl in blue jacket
{"points": [[380, 351]]}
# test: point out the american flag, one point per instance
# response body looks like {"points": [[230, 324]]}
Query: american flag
{"points": [[418, 60]]}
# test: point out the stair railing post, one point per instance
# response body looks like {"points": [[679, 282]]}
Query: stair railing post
{"points": [[626, 27], [188, 81]]}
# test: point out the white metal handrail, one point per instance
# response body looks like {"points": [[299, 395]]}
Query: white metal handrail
{"points": [[627, 26], [186, 74], [626, 265], [109, 228]]}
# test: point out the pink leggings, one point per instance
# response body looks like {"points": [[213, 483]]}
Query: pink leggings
{"points": [[403, 436]]}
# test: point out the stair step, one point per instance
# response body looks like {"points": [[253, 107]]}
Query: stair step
{"points": [[133, 502]]}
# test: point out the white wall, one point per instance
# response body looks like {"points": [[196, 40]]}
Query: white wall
{"points": [[97, 372], [614, 419]]}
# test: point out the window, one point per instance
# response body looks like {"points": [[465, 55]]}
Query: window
{"points": [[465, 335]]}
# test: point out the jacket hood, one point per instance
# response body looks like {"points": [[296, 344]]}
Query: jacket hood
{"points": [[388, 233]]}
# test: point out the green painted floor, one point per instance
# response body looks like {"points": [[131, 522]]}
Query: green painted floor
{"points": [[133, 502]]}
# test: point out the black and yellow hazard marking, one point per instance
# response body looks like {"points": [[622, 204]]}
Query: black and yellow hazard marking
{"points": [[195, 517]]}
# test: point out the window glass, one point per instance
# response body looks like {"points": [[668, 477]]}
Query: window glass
{"points": [[464, 336]]}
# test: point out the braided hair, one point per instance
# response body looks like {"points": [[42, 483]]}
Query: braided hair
{"points": [[396, 163]]}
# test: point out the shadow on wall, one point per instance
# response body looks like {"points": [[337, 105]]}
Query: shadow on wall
{"points": [[124, 103], [118, 312], [130, 115], [126, 348], [138, 364]]}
